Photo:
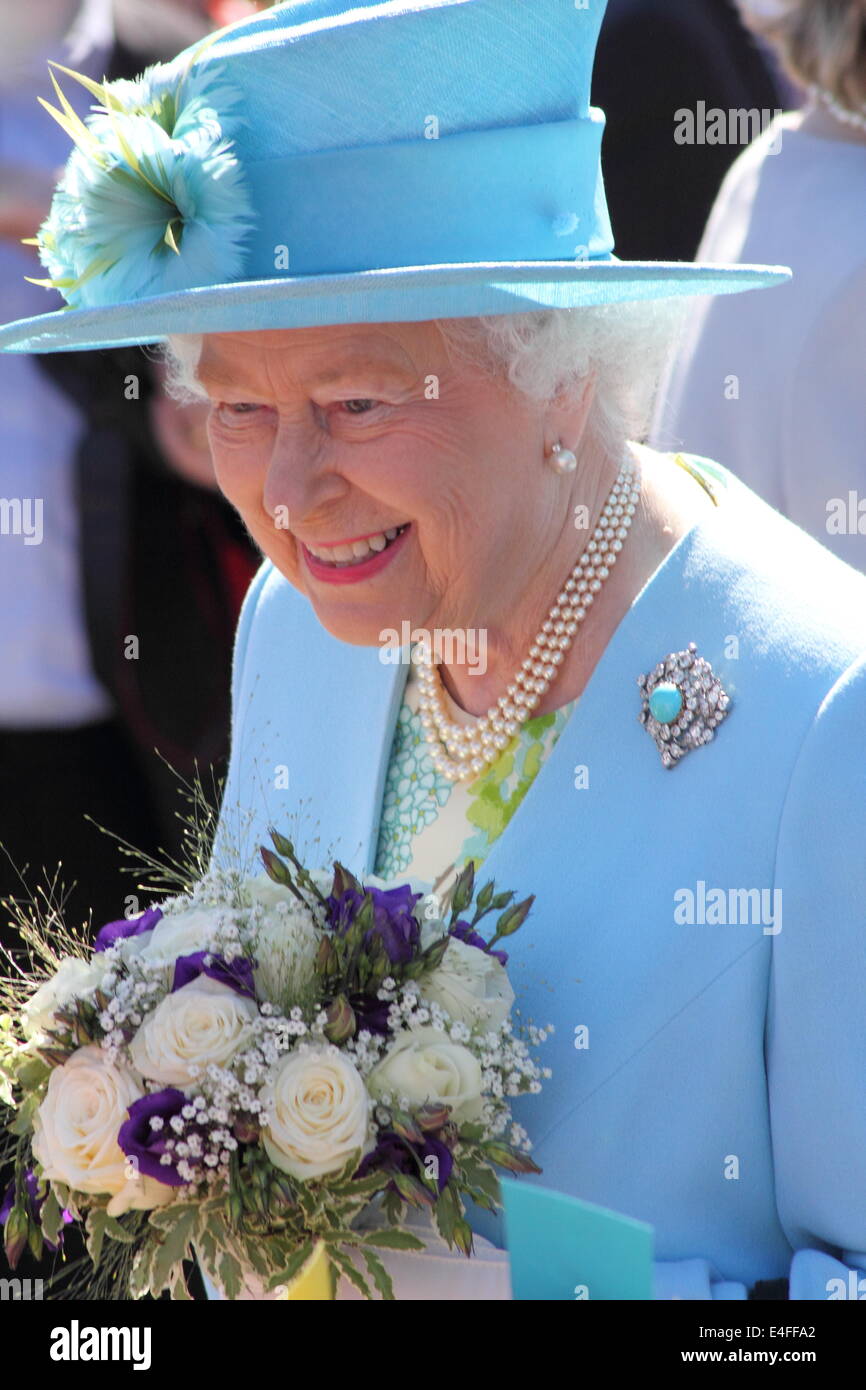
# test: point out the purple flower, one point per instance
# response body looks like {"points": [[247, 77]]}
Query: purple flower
{"points": [[395, 1155], [35, 1203], [393, 920], [145, 1142], [127, 926], [464, 932], [371, 1013], [237, 973]]}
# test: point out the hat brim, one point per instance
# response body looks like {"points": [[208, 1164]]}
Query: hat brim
{"points": [[406, 294]]}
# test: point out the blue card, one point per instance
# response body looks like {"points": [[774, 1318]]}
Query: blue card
{"points": [[562, 1248]]}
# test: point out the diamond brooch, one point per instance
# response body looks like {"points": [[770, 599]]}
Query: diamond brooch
{"points": [[683, 703]]}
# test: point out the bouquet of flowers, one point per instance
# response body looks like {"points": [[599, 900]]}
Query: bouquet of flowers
{"points": [[262, 1068]]}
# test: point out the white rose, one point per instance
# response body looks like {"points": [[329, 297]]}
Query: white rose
{"points": [[471, 986], [285, 949], [318, 1113], [263, 890], [179, 935], [202, 1022], [75, 979], [75, 1128], [424, 1065]]}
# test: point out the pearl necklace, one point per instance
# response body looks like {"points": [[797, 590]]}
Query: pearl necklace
{"points": [[460, 753], [857, 119]]}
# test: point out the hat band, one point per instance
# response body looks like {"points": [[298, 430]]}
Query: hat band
{"points": [[511, 193]]}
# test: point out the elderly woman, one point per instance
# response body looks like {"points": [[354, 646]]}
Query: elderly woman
{"points": [[637, 691]]}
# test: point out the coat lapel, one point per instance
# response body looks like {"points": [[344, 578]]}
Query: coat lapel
{"points": [[314, 720]]}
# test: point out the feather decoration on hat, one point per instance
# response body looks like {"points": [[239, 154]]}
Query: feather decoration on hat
{"points": [[153, 198]]}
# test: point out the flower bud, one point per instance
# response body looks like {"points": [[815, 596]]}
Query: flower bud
{"points": [[485, 897], [54, 1056], [341, 1020], [432, 1117], [15, 1234], [275, 867], [325, 955], [402, 1125], [281, 844], [463, 1237], [246, 1130], [82, 1033], [413, 1191], [504, 1157], [463, 890], [36, 1241], [434, 954], [235, 1208], [514, 917]]}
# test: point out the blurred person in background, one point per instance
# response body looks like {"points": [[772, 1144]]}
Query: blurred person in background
{"points": [[121, 568], [780, 398], [655, 58]]}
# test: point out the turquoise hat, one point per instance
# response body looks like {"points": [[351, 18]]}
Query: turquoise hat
{"points": [[326, 163]]}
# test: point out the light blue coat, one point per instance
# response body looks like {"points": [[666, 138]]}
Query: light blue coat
{"points": [[722, 1097]]}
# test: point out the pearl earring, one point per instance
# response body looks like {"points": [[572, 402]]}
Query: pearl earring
{"points": [[562, 460]]}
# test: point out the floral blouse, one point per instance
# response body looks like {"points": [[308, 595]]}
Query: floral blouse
{"points": [[430, 827]]}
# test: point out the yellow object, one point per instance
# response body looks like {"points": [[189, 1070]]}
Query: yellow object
{"points": [[315, 1280]]}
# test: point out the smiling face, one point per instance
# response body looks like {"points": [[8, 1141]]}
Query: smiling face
{"points": [[385, 481]]}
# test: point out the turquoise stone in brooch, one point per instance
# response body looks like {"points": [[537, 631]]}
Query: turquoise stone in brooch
{"points": [[666, 702], [683, 703]]}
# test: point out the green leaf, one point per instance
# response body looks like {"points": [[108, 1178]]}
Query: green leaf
{"points": [[207, 1242], [95, 1226], [448, 1212], [482, 1178], [387, 1238], [307, 1200], [379, 1274], [139, 1279], [23, 1122], [179, 1290], [230, 1275], [292, 1267], [392, 1207], [166, 1218], [413, 1191], [351, 1271], [254, 1254], [463, 1236], [35, 1241], [175, 1248], [32, 1074], [51, 1217], [117, 1231], [472, 1133], [362, 1188]]}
